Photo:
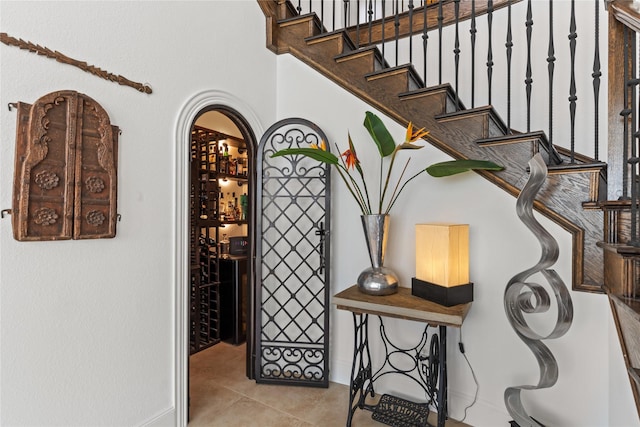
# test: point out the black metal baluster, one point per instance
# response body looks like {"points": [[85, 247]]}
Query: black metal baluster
{"points": [[551, 61], [334, 15], [489, 48], [322, 16], [358, 21], [425, 39], [397, 30], [625, 115], [509, 46], [370, 14], [572, 86], [440, 22], [411, 31], [633, 159], [299, 8], [384, 13], [596, 83], [456, 49], [473, 32], [347, 19], [529, 80]]}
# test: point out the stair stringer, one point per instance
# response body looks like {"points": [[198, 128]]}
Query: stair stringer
{"points": [[565, 193]]}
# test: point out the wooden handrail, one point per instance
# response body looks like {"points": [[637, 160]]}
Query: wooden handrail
{"points": [[626, 12], [275, 10], [448, 15]]}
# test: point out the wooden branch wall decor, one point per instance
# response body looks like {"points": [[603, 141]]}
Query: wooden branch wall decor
{"points": [[44, 51], [65, 178]]}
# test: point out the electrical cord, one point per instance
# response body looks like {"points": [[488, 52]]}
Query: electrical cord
{"points": [[473, 374]]}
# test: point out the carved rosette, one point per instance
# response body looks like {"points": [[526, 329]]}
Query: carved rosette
{"points": [[94, 184], [45, 216], [47, 179], [95, 218]]}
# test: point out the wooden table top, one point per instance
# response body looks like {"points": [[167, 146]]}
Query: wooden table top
{"points": [[401, 305]]}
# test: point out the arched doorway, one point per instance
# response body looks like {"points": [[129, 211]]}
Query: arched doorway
{"points": [[221, 241], [220, 228], [235, 113]]}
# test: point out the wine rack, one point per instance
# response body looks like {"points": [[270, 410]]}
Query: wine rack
{"points": [[211, 163]]}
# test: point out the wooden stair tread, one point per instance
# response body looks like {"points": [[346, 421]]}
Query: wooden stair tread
{"points": [[359, 52], [515, 138], [631, 305], [486, 111], [406, 68]]}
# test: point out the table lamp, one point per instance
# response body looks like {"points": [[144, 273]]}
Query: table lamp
{"points": [[442, 264]]}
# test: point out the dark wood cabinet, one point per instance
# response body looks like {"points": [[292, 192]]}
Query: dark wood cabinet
{"points": [[233, 298]]}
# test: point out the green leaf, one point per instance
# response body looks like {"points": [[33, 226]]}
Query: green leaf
{"points": [[314, 153], [381, 136], [454, 167]]}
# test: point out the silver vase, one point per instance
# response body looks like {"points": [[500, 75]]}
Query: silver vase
{"points": [[377, 280]]}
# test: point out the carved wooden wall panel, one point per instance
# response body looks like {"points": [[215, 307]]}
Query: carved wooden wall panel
{"points": [[65, 182]]}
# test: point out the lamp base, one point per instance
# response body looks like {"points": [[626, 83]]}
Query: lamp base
{"points": [[448, 297]]}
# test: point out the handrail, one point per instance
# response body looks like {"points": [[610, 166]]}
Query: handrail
{"points": [[626, 12], [406, 28]]}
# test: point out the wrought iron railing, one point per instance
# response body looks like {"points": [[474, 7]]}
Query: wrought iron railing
{"points": [[450, 41], [537, 63], [624, 95], [521, 83]]}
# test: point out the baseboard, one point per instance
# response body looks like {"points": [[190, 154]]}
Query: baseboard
{"points": [[482, 413], [166, 418], [340, 372]]}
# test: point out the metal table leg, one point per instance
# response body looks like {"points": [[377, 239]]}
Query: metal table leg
{"points": [[362, 377], [360, 382], [442, 386]]}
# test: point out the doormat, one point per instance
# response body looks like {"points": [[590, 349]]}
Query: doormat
{"points": [[398, 412]]}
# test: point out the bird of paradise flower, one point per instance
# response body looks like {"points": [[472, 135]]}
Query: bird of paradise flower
{"points": [[348, 163]]}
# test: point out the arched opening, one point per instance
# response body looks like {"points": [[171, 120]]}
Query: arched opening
{"points": [[222, 111], [221, 242]]}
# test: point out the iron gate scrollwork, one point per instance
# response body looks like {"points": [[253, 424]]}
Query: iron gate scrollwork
{"points": [[292, 259]]}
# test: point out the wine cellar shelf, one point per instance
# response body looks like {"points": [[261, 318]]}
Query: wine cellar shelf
{"points": [[212, 208]]}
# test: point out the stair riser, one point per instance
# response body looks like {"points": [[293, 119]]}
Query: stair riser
{"points": [[328, 47], [395, 83]]}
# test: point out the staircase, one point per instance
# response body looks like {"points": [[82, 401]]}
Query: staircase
{"points": [[477, 133], [575, 193]]}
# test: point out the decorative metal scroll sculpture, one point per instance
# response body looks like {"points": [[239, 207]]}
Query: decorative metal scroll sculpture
{"points": [[522, 297]]}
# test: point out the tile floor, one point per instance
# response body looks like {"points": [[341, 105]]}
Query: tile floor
{"points": [[221, 395]]}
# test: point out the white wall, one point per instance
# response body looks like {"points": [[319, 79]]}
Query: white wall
{"points": [[501, 247], [87, 327]]}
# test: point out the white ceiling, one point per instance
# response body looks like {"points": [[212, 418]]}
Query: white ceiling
{"points": [[216, 120]]}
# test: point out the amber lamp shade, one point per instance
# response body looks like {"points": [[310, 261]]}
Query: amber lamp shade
{"points": [[442, 264]]}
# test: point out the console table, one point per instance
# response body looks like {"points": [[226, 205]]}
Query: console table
{"points": [[428, 371]]}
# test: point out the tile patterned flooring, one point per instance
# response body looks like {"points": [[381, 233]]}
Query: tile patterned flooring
{"points": [[221, 395]]}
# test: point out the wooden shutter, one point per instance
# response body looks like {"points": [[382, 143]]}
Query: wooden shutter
{"points": [[65, 182]]}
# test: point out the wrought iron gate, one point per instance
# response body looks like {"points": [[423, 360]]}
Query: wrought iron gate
{"points": [[292, 265]]}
